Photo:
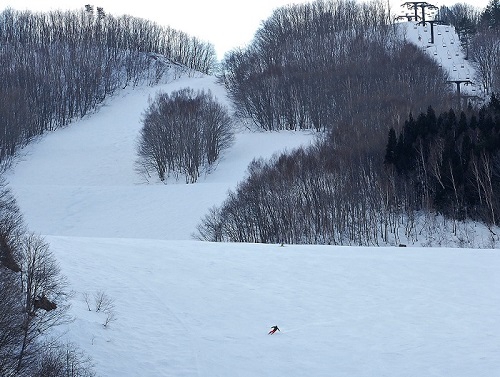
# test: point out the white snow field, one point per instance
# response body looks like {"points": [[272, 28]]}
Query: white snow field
{"points": [[192, 308], [188, 308], [81, 180]]}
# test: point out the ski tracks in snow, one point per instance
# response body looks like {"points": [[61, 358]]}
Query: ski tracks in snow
{"points": [[175, 328], [284, 330]]}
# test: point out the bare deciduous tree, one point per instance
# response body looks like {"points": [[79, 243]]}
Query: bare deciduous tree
{"points": [[44, 297], [103, 302], [11, 320], [485, 53], [34, 300], [63, 361]]}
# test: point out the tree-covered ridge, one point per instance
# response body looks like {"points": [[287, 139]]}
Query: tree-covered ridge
{"points": [[86, 28], [452, 160], [468, 19], [329, 63], [343, 72], [349, 194], [60, 65]]}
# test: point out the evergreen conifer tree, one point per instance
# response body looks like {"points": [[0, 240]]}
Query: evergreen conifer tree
{"points": [[391, 149], [491, 15]]}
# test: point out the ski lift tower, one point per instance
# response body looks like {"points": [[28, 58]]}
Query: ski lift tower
{"points": [[432, 27], [459, 94], [415, 5]]}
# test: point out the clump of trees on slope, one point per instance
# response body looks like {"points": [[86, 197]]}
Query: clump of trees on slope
{"points": [[338, 191], [60, 65], [183, 134], [34, 301], [308, 196]]}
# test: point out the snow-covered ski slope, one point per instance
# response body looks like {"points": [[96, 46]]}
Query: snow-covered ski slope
{"points": [[81, 180], [187, 308], [446, 50], [190, 308]]}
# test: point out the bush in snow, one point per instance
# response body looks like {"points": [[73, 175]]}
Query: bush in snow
{"points": [[104, 304]]}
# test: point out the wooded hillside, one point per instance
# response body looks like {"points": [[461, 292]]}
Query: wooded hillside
{"points": [[339, 67], [57, 66]]}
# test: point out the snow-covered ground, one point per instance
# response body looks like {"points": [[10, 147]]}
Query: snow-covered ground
{"points": [[81, 180], [191, 308], [446, 50], [187, 308]]}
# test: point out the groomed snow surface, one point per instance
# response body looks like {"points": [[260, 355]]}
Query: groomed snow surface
{"points": [[191, 308], [188, 308]]}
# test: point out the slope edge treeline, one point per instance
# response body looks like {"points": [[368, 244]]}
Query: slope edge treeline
{"points": [[60, 65], [367, 80], [35, 299]]}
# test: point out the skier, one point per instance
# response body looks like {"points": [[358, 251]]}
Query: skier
{"points": [[273, 330]]}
